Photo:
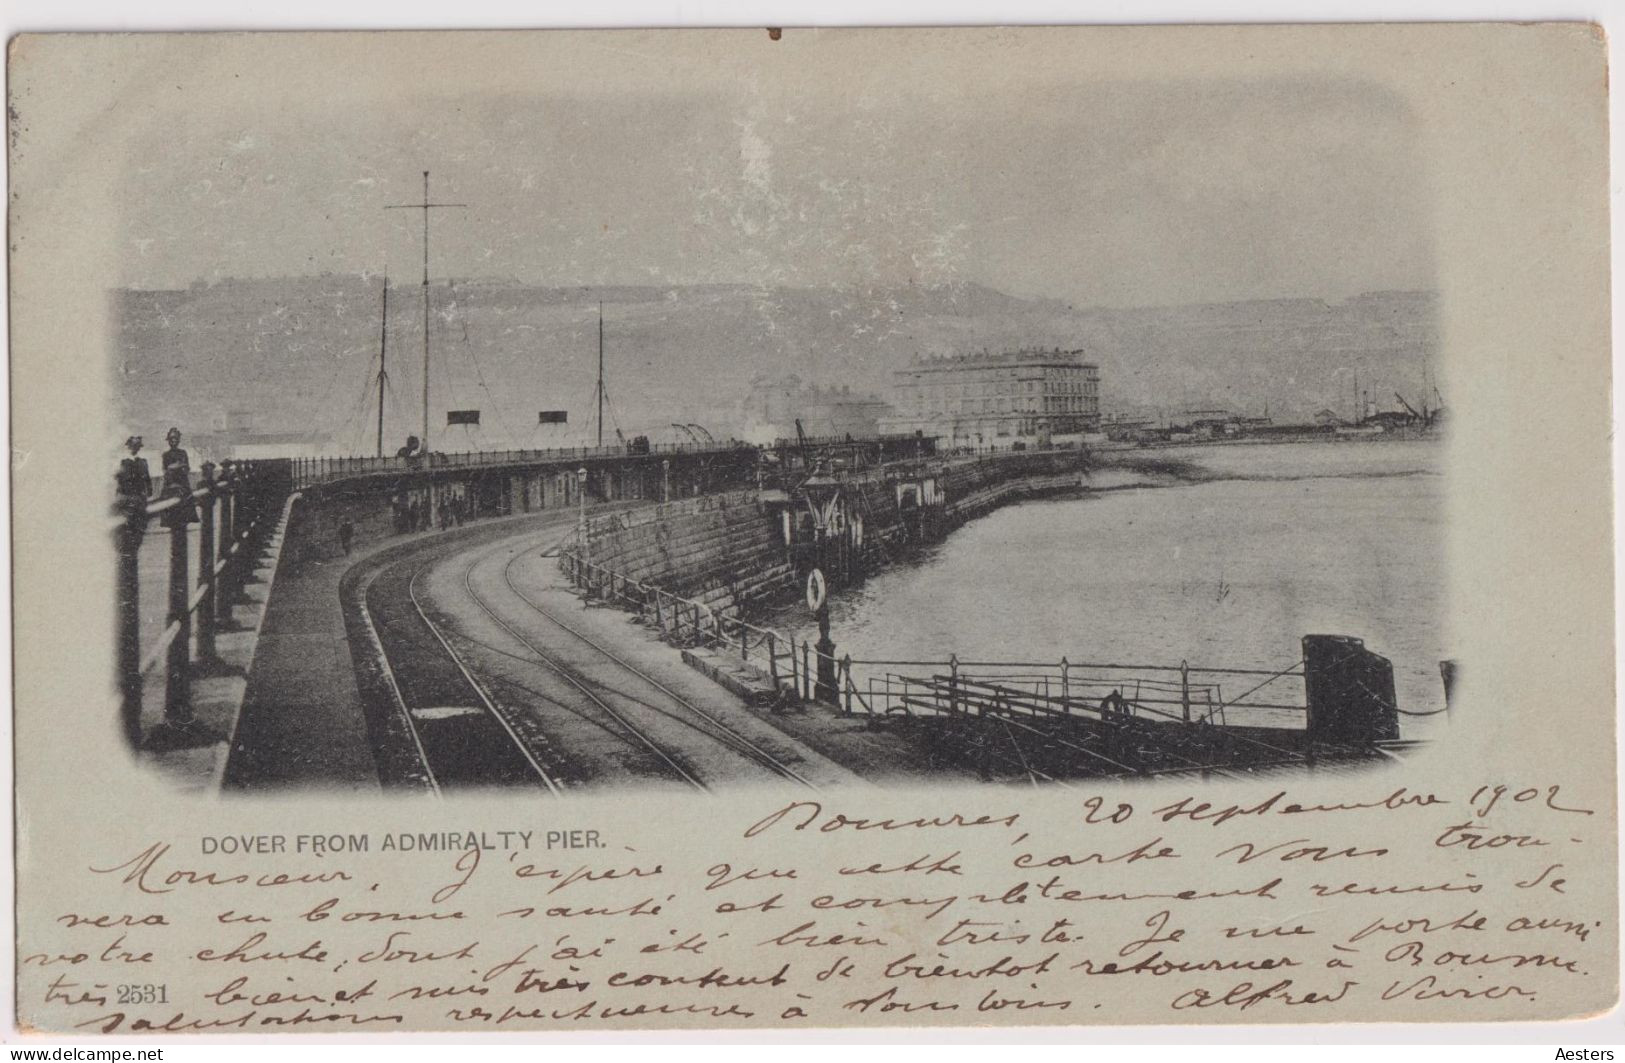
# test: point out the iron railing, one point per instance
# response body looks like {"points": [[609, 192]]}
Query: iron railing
{"points": [[232, 511], [315, 470], [1181, 693], [778, 658], [1176, 693], [325, 468]]}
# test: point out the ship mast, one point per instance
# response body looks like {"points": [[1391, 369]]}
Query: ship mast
{"points": [[425, 207], [600, 373], [383, 375]]}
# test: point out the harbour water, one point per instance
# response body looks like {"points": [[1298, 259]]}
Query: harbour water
{"points": [[1222, 556]]}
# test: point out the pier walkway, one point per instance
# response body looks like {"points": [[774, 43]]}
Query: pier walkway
{"points": [[491, 624], [303, 722]]}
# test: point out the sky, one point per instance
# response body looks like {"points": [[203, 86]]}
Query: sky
{"points": [[1095, 192]]}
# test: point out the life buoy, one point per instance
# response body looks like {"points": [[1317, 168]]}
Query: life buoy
{"points": [[816, 590]]}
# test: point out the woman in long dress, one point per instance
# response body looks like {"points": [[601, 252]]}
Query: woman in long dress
{"points": [[134, 480], [178, 482]]}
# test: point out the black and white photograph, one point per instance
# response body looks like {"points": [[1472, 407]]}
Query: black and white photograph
{"points": [[832, 434]]}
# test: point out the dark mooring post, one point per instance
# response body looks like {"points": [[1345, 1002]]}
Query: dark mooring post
{"points": [[1447, 672], [1350, 691], [825, 690]]}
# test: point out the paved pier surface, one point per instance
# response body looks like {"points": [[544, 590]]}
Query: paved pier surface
{"points": [[302, 723]]}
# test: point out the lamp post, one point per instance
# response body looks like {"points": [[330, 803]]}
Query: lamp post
{"points": [[581, 501]]}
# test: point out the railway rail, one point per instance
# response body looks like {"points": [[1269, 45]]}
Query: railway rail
{"points": [[468, 731], [463, 737], [697, 718]]}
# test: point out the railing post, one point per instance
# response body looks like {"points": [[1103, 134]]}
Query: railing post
{"points": [[251, 527], [205, 569], [846, 672], [985, 767], [1185, 689], [953, 683], [806, 672], [1066, 705], [127, 541], [178, 685], [744, 642], [773, 661], [225, 590], [243, 513]]}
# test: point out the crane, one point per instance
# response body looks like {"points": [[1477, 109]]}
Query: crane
{"points": [[1427, 415]]}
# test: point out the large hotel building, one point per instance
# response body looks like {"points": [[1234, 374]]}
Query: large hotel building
{"points": [[997, 399]]}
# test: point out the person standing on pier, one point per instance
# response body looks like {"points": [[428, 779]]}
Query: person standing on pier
{"points": [[134, 480], [177, 468]]}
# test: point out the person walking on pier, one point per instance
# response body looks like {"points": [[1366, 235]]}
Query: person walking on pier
{"points": [[177, 468]]}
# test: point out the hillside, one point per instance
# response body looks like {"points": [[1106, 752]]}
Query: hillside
{"points": [[296, 354]]}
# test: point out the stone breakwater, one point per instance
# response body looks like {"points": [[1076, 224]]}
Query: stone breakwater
{"points": [[720, 550], [732, 550]]}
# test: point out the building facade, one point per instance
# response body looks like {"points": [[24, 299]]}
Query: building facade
{"points": [[774, 404], [1028, 396]]}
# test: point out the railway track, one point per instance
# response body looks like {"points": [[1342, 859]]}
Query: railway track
{"points": [[464, 738], [465, 733], [691, 715]]}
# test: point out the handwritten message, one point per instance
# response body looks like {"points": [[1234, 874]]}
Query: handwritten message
{"points": [[1150, 904]]}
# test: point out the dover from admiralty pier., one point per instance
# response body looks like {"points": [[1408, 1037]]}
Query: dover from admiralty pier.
{"points": [[802, 468]]}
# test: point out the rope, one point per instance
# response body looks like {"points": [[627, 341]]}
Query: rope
{"points": [[479, 374], [1285, 671], [359, 407]]}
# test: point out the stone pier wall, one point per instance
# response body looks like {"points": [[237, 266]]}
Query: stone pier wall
{"points": [[724, 550], [729, 551]]}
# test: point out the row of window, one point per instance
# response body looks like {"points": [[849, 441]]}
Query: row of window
{"points": [[953, 391], [1057, 403]]}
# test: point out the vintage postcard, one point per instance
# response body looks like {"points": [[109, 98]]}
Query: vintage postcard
{"points": [[539, 531]]}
